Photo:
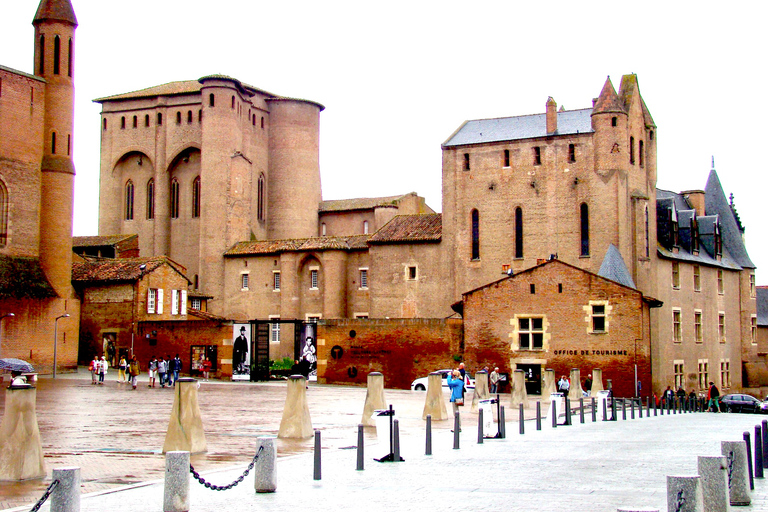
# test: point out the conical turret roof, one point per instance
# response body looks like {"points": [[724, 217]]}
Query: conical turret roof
{"points": [[608, 101], [57, 10]]}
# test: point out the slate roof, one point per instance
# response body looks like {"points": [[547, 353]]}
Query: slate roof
{"points": [[614, 268], [118, 269], [58, 10], [23, 278], [716, 203], [255, 247], [362, 203], [410, 228], [97, 241], [762, 306], [482, 131]]}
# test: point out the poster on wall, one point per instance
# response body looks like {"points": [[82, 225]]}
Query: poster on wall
{"points": [[241, 352], [309, 350]]}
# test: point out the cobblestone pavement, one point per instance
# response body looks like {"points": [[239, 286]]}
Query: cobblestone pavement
{"points": [[595, 466]]}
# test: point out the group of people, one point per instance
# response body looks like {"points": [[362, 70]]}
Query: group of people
{"points": [[166, 370], [128, 371], [713, 396]]}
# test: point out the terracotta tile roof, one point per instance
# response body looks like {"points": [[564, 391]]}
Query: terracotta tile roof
{"points": [[96, 241], [23, 278], [204, 315], [118, 269], [361, 203], [323, 243], [608, 101], [169, 89], [410, 228]]}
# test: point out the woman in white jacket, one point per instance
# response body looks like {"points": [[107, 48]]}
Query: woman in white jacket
{"points": [[102, 369]]}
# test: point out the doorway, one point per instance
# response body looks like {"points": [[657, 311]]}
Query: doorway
{"points": [[532, 378]]}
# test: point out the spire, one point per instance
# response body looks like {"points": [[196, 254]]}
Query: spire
{"points": [[608, 101], [55, 10], [713, 162]]}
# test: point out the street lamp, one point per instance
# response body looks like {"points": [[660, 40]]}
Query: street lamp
{"points": [[55, 338], [1, 320]]}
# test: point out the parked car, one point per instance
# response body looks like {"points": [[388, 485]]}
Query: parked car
{"points": [[420, 384], [739, 402]]}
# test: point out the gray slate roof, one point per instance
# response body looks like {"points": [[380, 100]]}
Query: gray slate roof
{"points": [[614, 268], [762, 305], [481, 131], [716, 203]]}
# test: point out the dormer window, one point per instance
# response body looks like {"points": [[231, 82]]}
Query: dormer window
{"points": [[718, 241], [694, 236]]}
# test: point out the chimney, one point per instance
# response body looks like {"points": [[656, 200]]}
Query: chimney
{"points": [[551, 116], [696, 200]]}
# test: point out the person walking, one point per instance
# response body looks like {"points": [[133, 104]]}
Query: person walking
{"points": [[133, 368], [206, 368], [456, 385], [495, 380], [102, 369], [122, 366], [94, 369], [176, 367], [714, 397], [152, 369], [162, 369]]}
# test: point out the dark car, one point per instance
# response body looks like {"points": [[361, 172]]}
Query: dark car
{"points": [[738, 402]]}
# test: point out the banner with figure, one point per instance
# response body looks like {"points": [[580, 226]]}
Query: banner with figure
{"points": [[241, 352], [308, 353]]}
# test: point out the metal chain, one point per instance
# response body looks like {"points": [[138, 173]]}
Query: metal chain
{"points": [[47, 493], [239, 479]]}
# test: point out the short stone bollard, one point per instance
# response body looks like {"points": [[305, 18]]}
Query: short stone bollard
{"points": [[66, 496], [714, 483], [185, 428], [374, 398], [265, 468], [481, 391], [575, 391], [176, 488], [296, 422], [519, 395], [597, 381], [684, 494], [434, 404], [21, 450], [549, 385], [735, 453]]}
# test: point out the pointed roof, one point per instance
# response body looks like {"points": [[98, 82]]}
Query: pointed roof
{"points": [[628, 87], [614, 268], [608, 101], [715, 203], [56, 10]]}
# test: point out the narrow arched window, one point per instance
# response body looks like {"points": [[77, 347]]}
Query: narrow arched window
{"points": [[648, 235], [53, 143], [135, 121], [122, 122], [56, 54], [584, 218], [196, 197], [41, 70], [211, 100], [260, 198], [365, 227], [69, 58], [174, 198], [129, 200], [518, 232], [475, 219], [159, 119], [200, 116], [146, 120], [233, 102], [640, 153], [262, 123], [632, 150], [151, 199], [105, 124], [178, 117], [189, 116], [4, 207]]}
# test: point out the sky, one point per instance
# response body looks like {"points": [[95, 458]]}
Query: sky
{"points": [[398, 77]]}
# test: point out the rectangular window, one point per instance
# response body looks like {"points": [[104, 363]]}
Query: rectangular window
{"points": [[752, 292], [412, 273], [531, 333], [196, 304], [753, 325], [364, 278], [506, 158], [313, 279], [725, 373], [276, 281], [696, 278], [598, 318], [274, 331], [571, 152], [175, 295], [703, 373], [679, 374], [720, 285], [697, 333], [466, 161], [244, 281], [677, 328], [537, 155], [675, 275], [721, 326], [152, 300], [361, 315]]}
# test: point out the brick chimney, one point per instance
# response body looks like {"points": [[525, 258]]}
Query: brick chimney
{"points": [[551, 116], [696, 200]]}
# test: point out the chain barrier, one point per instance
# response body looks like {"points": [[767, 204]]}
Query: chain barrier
{"points": [[47, 493], [239, 479]]}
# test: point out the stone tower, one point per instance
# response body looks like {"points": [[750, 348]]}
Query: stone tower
{"points": [[55, 25]]}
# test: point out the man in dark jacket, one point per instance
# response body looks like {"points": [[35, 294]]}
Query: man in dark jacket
{"points": [[714, 396]]}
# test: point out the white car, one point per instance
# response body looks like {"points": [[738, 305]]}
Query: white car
{"points": [[420, 384]]}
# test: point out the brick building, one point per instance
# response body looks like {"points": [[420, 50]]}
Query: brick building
{"points": [[36, 196]]}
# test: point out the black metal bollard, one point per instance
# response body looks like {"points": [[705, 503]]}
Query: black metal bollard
{"points": [[554, 414], [594, 410], [749, 461], [502, 422], [480, 426], [655, 410], [605, 410], [581, 409], [567, 411], [613, 411], [538, 415], [317, 474], [632, 409], [640, 406], [758, 452], [521, 418], [764, 423], [456, 429], [396, 450], [360, 448], [428, 448], [623, 409]]}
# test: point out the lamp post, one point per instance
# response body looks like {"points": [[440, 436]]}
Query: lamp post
{"points": [[1, 321], [56, 338]]}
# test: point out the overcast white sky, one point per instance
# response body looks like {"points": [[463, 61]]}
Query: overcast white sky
{"points": [[398, 77]]}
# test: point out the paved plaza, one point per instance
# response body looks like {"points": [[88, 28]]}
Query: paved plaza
{"points": [[115, 435]]}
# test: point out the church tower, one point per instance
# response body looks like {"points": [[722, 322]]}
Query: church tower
{"points": [[55, 25]]}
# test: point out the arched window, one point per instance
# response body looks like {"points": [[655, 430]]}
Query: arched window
{"points": [[53, 143], [518, 232], [365, 227], [178, 117], [211, 100], [56, 54], [648, 235], [640, 153], [475, 219], [584, 217], [196, 197], [122, 123], [41, 71], [159, 119], [260, 198], [200, 116], [105, 124], [69, 58], [233, 102], [146, 120], [129, 200], [3, 214], [632, 150], [189, 116], [135, 121], [174, 198], [151, 199]]}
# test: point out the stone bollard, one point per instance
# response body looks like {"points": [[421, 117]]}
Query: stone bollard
{"points": [[549, 386], [519, 394], [481, 389], [296, 422], [21, 451], [374, 398], [66, 496], [575, 392], [714, 483], [684, 494], [597, 381], [185, 428], [434, 405], [265, 469], [735, 453], [176, 488]]}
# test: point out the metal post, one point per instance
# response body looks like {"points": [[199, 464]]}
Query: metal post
{"points": [[318, 473], [521, 419], [605, 410], [632, 409], [538, 415], [428, 449], [765, 443], [396, 435], [613, 410], [567, 411], [758, 452], [581, 409], [456, 431], [623, 409], [594, 410], [360, 448], [554, 414], [480, 426], [502, 422], [749, 461]]}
